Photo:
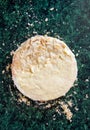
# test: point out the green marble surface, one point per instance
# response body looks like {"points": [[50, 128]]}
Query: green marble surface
{"points": [[68, 20]]}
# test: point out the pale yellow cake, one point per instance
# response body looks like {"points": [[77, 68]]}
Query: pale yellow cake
{"points": [[44, 68]]}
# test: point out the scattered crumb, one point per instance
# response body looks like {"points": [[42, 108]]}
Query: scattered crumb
{"points": [[51, 9], [76, 84], [3, 44], [34, 32], [23, 99], [12, 53], [8, 67], [28, 103], [47, 33], [2, 82], [54, 117], [87, 96], [77, 54], [11, 90], [76, 109], [75, 92], [46, 19], [67, 111], [58, 111], [17, 45], [32, 25], [47, 123], [87, 80], [48, 106], [70, 103], [7, 57], [29, 24], [3, 71]]}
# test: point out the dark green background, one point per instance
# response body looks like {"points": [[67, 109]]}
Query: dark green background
{"points": [[70, 20]]}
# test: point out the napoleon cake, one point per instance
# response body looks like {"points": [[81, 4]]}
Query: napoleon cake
{"points": [[43, 68]]}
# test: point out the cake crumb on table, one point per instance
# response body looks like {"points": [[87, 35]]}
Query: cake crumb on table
{"points": [[67, 111]]}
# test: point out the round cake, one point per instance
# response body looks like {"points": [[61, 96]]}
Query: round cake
{"points": [[44, 68]]}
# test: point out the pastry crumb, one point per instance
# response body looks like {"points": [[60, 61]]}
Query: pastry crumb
{"points": [[67, 111], [23, 99], [3, 71], [12, 53], [48, 106], [70, 103], [8, 67]]}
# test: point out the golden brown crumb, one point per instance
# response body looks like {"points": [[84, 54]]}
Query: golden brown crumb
{"points": [[67, 111], [58, 111], [23, 99], [8, 67], [70, 103], [48, 106]]}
